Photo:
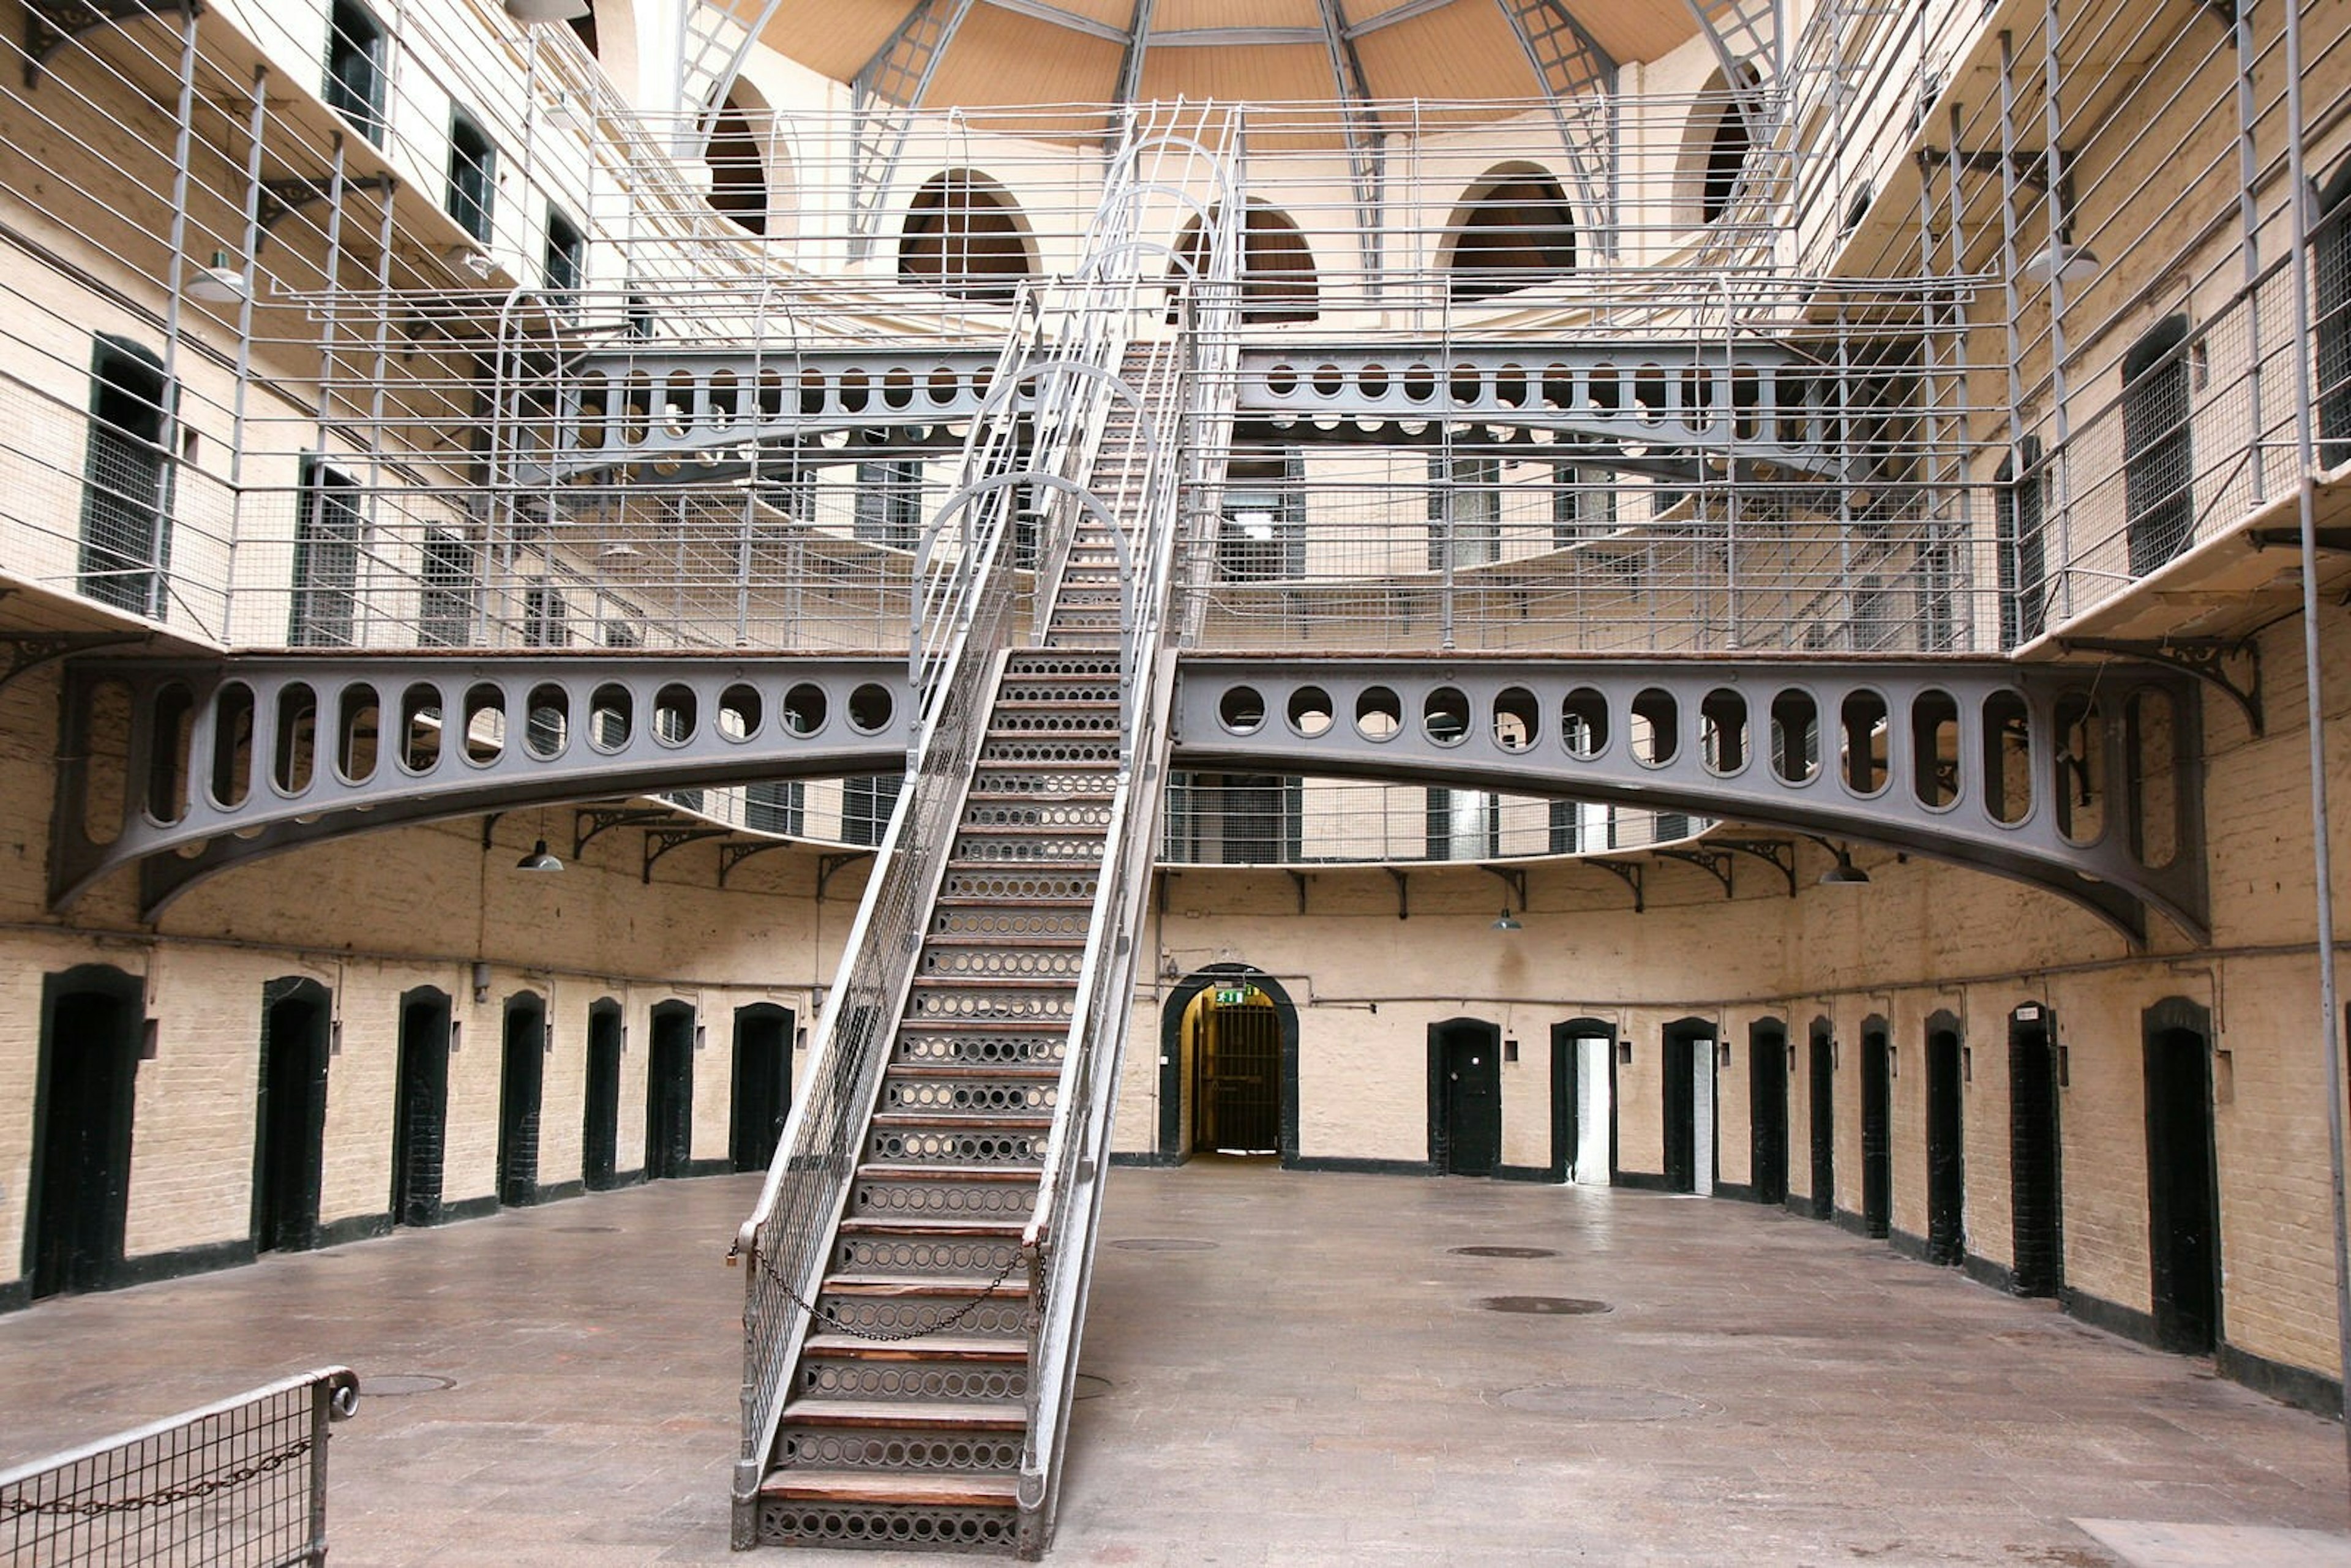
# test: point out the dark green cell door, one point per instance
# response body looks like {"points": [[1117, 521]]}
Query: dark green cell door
{"points": [[1767, 1090], [521, 1079], [763, 1083], [2183, 1210], [669, 1093], [89, 1058], [2032, 1164], [600, 1132], [420, 1115], [1465, 1060], [1946, 1155], [1877, 1132], [290, 1116]]}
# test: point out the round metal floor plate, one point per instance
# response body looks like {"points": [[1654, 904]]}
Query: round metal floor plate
{"points": [[1545, 1306], [1600, 1402], [1503, 1251], [1163, 1244], [1092, 1388], [587, 1230], [390, 1385]]}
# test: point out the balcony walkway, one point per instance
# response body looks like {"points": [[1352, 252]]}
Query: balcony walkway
{"points": [[1321, 1385]]}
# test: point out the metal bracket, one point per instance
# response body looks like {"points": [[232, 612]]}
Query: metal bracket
{"points": [[1403, 893], [281, 197], [1716, 863], [659, 841], [27, 650], [1629, 873], [828, 865], [1299, 878], [586, 825], [1514, 877], [2337, 540], [732, 855], [1776, 851], [2028, 168], [2206, 658], [49, 24]]}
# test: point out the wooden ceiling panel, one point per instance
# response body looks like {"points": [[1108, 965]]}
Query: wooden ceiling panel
{"points": [[1000, 58], [1448, 55]]}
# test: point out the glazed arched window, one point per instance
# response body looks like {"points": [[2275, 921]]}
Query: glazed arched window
{"points": [[1513, 229], [965, 235]]}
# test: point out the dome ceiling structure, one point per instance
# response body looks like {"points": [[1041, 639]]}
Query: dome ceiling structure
{"points": [[1007, 53]]}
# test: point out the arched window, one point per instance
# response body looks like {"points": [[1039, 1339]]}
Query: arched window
{"points": [[1513, 229], [964, 235], [738, 171], [1726, 142], [1278, 278]]}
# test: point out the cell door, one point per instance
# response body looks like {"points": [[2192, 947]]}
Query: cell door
{"points": [[1595, 1111], [1823, 1123], [1240, 1078], [289, 1117], [1680, 1110], [2183, 1207], [82, 1174], [669, 1094], [599, 1127], [763, 1078], [420, 1116], [1468, 1059], [1876, 1132], [1946, 1153], [2035, 1195], [1767, 1092], [522, 1077]]}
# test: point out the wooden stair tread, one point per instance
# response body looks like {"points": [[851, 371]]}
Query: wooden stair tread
{"points": [[974, 1416], [930, 1347], [928, 1489], [964, 1286]]}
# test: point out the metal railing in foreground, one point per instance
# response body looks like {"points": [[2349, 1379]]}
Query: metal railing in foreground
{"points": [[241, 1481]]}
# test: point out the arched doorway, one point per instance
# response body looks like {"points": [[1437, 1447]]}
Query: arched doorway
{"points": [[669, 1091], [966, 236], [2183, 1198], [1583, 1101], [599, 1125], [1822, 1116], [1876, 1127], [289, 1116], [522, 1076], [1513, 229], [763, 1083], [1278, 282], [1688, 1069], [1465, 1097], [1947, 1183], [2034, 1172], [1189, 1026], [420, 1111], [91, 1023], [1767, 1098]]}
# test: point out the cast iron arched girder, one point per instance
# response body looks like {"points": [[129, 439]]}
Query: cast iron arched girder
{"points": [[1958, 759], [224, 761]]}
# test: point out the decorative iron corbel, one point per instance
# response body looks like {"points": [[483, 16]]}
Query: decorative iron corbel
{"points": [[1629, 873], [2206, 658]]}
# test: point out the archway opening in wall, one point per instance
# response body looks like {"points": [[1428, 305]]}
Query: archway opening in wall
{"points": [[2183, 1198], [1583, 1102], [1876, 1127], [966, 236], [600, 1123], [1465, 1097], [738, 164], [1947, 1184], [1278, 281], [91, 1025], [2035, 1173], [763, 1083], [1233, 1032], [1513, 229], [1768, 1058], [1190, 1029], [1687, 1067], [289, 1115], [522, 1079], [1723, 144], [1821, 1115], [669, 1091], [420, 1111]]}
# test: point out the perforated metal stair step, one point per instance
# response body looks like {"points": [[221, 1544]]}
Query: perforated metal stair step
{"points": [[940, 1490], [909, 1415]]}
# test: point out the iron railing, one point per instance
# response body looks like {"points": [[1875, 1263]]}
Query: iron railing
{"points": [[238, 1482]]}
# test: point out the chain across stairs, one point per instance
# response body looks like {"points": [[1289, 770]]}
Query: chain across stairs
{"points": [[831, 1319]]}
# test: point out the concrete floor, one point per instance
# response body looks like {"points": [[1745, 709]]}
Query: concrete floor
{"points": [[1293, 1369]]}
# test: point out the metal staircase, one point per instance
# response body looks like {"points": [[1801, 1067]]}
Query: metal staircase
{"points": [[919, 1258]]}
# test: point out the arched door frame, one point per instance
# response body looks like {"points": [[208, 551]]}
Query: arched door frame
{"points": [[1439, 1156], [1173, 1146], [1876, 1028], [129, 992], [1820, 1121], [2047, 1278], [404, 1176], [275, 994], [600, 1123], [1688, 1031], [1565, 1126], [678, 1162], [2184, 1016], [1943, 1022], [1768, 1033]]}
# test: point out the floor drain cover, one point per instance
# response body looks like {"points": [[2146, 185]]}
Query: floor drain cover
{"points": [[1092, 1388], [390, 1384], [1502, 1251], [1586, 1402], [1163, 1244], [587, 1230], [1544, 1306]]}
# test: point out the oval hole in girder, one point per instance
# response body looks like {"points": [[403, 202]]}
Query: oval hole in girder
{"points": [[2007, 757], [296, 759], [1517, 718], [871, 708], [612, 717], [805, 709], [1722, 731], [1795, 737], [1379, 713], [1861, 742], [1584, 722], [740, 711], [232, 745], [485, 723], [358, 732], [419, 728], [1444, 716], [1241, 710], [546, 721], [1654, 730], [1934, 749], [2079, 790], [1310, 712], [675, 714], [170, 742]]}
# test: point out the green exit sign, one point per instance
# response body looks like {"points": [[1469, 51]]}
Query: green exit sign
{"points": [[1234, 998]]}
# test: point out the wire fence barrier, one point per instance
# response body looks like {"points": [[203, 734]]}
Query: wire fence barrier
{"points": [[239, 1483]]}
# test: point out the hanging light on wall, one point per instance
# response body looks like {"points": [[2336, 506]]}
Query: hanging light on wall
{"points": [[539, 859], [220, 283], [532, 13], [1844, 874], [2063, 261], [1506, 921]]}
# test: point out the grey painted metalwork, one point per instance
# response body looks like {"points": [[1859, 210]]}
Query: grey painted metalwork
{"points": [[1579, 77], [897, 76], [662, 403], [243, 1480], [250, 755], [2074, 778]]}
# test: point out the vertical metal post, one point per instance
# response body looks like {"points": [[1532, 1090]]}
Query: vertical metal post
{"points": [[322, 1400], [2012, 549], [2052, 168], [168, 417], [2330, 1021], [2249, 224], [256, 128]]}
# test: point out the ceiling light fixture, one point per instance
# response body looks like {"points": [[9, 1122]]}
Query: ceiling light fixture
{"points": [[220, 283], [1506, 921], [539, 859]]}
